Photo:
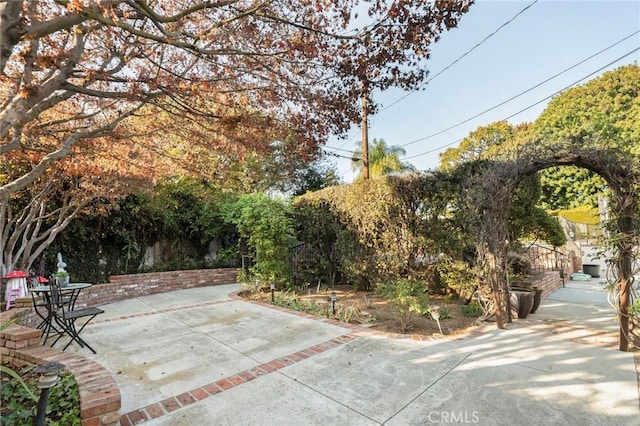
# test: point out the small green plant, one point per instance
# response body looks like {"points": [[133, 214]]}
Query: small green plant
{"points": [[472, 310], [444, 314], [408, 297], [19, 404], [62, 277]]}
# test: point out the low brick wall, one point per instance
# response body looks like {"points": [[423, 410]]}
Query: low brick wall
{"points": [[123, 287], [100, 399], [548, 281]]}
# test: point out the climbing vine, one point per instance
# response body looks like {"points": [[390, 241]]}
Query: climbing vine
{"points": [[487, 189]]}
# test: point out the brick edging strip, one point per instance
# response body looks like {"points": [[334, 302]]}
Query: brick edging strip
{"points": [[176, 402], [159, 311], [173, 403]]}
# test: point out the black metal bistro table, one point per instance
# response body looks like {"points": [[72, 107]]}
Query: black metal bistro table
{"points": [[55, 319]]}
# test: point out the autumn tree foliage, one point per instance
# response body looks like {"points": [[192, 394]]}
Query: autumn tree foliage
{"points": [[75, 74]]}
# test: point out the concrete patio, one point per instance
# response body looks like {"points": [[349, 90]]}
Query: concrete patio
{"points": [[202, 356]]}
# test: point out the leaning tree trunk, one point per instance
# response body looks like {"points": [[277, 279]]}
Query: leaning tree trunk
{"points": [[495, 233]]}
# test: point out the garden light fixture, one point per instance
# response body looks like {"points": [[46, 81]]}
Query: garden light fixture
{"points": [[333, 298], [434, 311], [49, 376], [272, 286]]}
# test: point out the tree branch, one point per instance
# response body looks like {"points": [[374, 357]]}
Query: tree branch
{"points": [[10, 28]]}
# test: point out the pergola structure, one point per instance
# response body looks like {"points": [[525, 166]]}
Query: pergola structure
{"points": [[492, 184]]}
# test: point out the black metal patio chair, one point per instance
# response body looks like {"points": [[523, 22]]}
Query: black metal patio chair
{"points": [[66, 315]]}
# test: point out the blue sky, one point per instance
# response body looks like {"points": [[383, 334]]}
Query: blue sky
{"points": [[547, 38]]}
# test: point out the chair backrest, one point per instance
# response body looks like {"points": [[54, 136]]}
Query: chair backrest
{"points": [[56, 297]]}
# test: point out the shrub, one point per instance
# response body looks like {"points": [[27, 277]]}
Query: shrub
{"points": [[459, 277], [472, 310], [519, 266], [444, 314], [266, 227], [408, 297]]}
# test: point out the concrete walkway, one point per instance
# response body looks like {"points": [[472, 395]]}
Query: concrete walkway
{"points": [[203, 357]]}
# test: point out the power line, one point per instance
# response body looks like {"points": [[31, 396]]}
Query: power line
{"points": [[528, 107], [333, 154], [595, 72], [522, 93], [448, 66], [337, 149], [463, 55]]}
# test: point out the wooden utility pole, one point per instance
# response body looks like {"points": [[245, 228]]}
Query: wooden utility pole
{"points": [[365, 128]]}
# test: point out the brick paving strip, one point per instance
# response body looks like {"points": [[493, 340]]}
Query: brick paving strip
{"points": [[159, 311], [173, 403]]}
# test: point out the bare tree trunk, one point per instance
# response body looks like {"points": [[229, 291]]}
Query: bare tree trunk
{"points": [[624, 272], [27, 232], [501, 316]]}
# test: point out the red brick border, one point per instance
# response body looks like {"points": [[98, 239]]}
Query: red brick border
{"points": [[97, 404], [99, 394], [168, 405]]}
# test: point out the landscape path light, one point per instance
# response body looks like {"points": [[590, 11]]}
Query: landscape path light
{"points": [[434, 311], [272, 286], [333, 298], [49, 375]]}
